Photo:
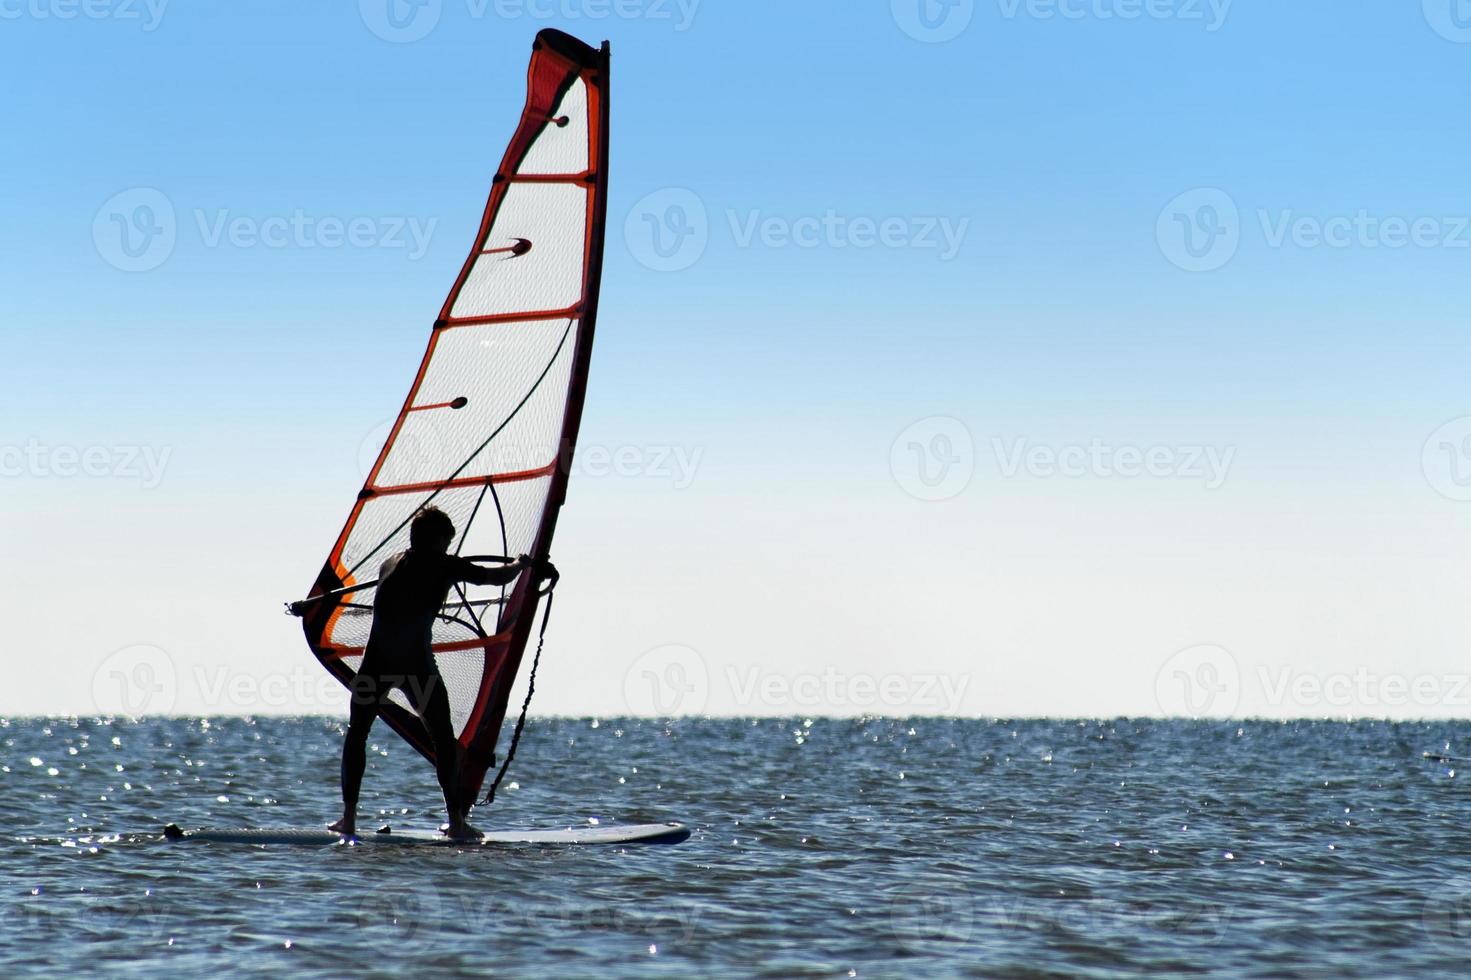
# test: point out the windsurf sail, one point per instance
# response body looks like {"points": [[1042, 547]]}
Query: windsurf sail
{"points": [[490, 423]]}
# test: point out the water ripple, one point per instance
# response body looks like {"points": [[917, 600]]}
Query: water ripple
{"points": [[867, 847]]}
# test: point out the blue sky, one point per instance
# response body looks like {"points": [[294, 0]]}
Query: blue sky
{"points": [[781, 375]]}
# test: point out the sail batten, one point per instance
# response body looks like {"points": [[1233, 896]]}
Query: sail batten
{"points": [[487, 430], [568, 313], [468, 481]]}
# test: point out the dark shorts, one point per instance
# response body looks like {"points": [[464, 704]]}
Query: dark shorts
{"points": [[380, 676]]}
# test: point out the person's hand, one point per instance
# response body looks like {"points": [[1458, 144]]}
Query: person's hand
{"points": [[525, 561]]}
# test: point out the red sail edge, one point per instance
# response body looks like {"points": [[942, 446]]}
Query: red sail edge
{"points": [[558, 63]]}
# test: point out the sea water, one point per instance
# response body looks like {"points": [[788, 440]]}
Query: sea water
{"points": [[867, 847]]}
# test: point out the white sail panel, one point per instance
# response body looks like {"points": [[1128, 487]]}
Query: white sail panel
{"points": [[548, 276], [562, 149], [517, 425]]}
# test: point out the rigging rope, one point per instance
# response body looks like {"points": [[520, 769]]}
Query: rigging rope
{"points": [[541, 638]]}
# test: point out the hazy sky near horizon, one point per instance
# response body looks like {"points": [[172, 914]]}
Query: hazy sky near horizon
{"points": [[1063, 357]]}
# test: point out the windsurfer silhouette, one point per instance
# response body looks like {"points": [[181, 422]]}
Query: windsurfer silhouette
{"points": [[412, 588]]}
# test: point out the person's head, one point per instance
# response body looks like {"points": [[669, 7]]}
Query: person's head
{"points": [[432, 530]]}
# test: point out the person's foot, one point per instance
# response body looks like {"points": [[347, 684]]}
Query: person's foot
{"points": [[345, 827], [461, 830]]}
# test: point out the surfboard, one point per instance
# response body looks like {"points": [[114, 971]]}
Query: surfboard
{"points": [[649, 833]]}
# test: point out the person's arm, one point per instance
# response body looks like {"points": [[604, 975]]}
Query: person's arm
{"points": [[465, 570]]}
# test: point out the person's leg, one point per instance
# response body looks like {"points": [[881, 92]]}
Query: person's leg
{"points": [[432, 702], [362, 714]]}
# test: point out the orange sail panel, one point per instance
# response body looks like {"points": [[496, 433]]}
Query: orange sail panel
{"points": [[489, 426]]}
